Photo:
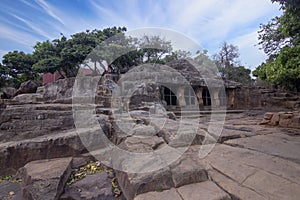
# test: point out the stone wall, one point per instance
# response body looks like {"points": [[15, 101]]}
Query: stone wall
{"points": [[265, 99], [282, 119]]}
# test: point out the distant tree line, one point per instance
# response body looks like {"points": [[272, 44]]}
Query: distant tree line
{"points": [[66, 55]]}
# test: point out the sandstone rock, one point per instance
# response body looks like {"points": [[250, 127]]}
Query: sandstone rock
{"points": [[204, 190], [45, 179], [186, 169], [275, 120], [29, 121], [141, 144], [295, 122], [14, 155], [10, 190], [141, 130], [135, 184], [96, 186], [27, 87], [285, 122], [246, 173], [236, 190], [268, 115], [59, 89], [40, 90], [8, 93], [285, 115], [172, 116], [277, 144], [166, 194], [28, 98]]}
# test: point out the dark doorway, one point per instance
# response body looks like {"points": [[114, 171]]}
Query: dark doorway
{"points": [[206, 97], [170, 97]]}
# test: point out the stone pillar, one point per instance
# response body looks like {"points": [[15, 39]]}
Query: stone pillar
{"points": [[199, 91], [231, 98], [180, 96], [215, 97]]}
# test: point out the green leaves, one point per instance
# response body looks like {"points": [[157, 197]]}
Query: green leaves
{"points": [[280, 39]]}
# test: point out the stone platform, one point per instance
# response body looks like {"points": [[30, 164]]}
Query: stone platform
{"points": [[249, 161]]}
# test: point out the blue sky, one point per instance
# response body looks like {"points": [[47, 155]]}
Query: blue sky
{"points": [[208, 22]]}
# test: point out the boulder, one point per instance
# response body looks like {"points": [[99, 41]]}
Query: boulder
{"points": [[8, 93], [10, 190], [28, 98], [268, 116], [96, 186], [275, 120], [27, 87], [59, 89], [45, 179]]}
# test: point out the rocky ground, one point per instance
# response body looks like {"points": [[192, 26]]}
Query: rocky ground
{"points": [[44, 158]]}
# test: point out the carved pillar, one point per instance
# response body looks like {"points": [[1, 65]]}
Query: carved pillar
{"points": [[231, 98], [199, 91], [215, 97], [180, 96]]}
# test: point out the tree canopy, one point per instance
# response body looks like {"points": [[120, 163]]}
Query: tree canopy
{"points": [[280, 40], [108, 49], [227, 61]]}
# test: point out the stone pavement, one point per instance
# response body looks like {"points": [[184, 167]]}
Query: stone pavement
{"points": [[250, 161]]}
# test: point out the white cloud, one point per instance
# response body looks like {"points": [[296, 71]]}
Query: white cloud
{"points": [[30, 4], [25, 39], [33, 27], [49, 10], [250, 54]]}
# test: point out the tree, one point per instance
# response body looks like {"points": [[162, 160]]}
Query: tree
{"points": [[66, 55], [176, 55], [17, 65], [154, 48], [227, 56], [228, 64], [280, 39]]}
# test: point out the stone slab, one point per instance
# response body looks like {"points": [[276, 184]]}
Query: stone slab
{"points": [[277, 144], [158, 195], [205, 190], [269, 177], [45, 179]]}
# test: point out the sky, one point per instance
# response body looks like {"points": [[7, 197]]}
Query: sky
{"points": [[207, 22]]}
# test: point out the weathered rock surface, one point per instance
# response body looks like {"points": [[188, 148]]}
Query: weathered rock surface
{"points": [[185, 170], [248, 174], [272, 144], [29, 121], [97, 186], [59, 89], [45, 179], [10, 190], [204, 190], [27, 87], [14, 155], [8, 93], [283, 119], [28, 98], [166, 194]]}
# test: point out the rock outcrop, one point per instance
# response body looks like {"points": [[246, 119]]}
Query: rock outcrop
{"points": [[283, 119], [27, 87]]}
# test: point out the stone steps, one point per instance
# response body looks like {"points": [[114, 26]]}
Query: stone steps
{"points": [[207, 190], [14, 155], [172, 171], [20, 122]]}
